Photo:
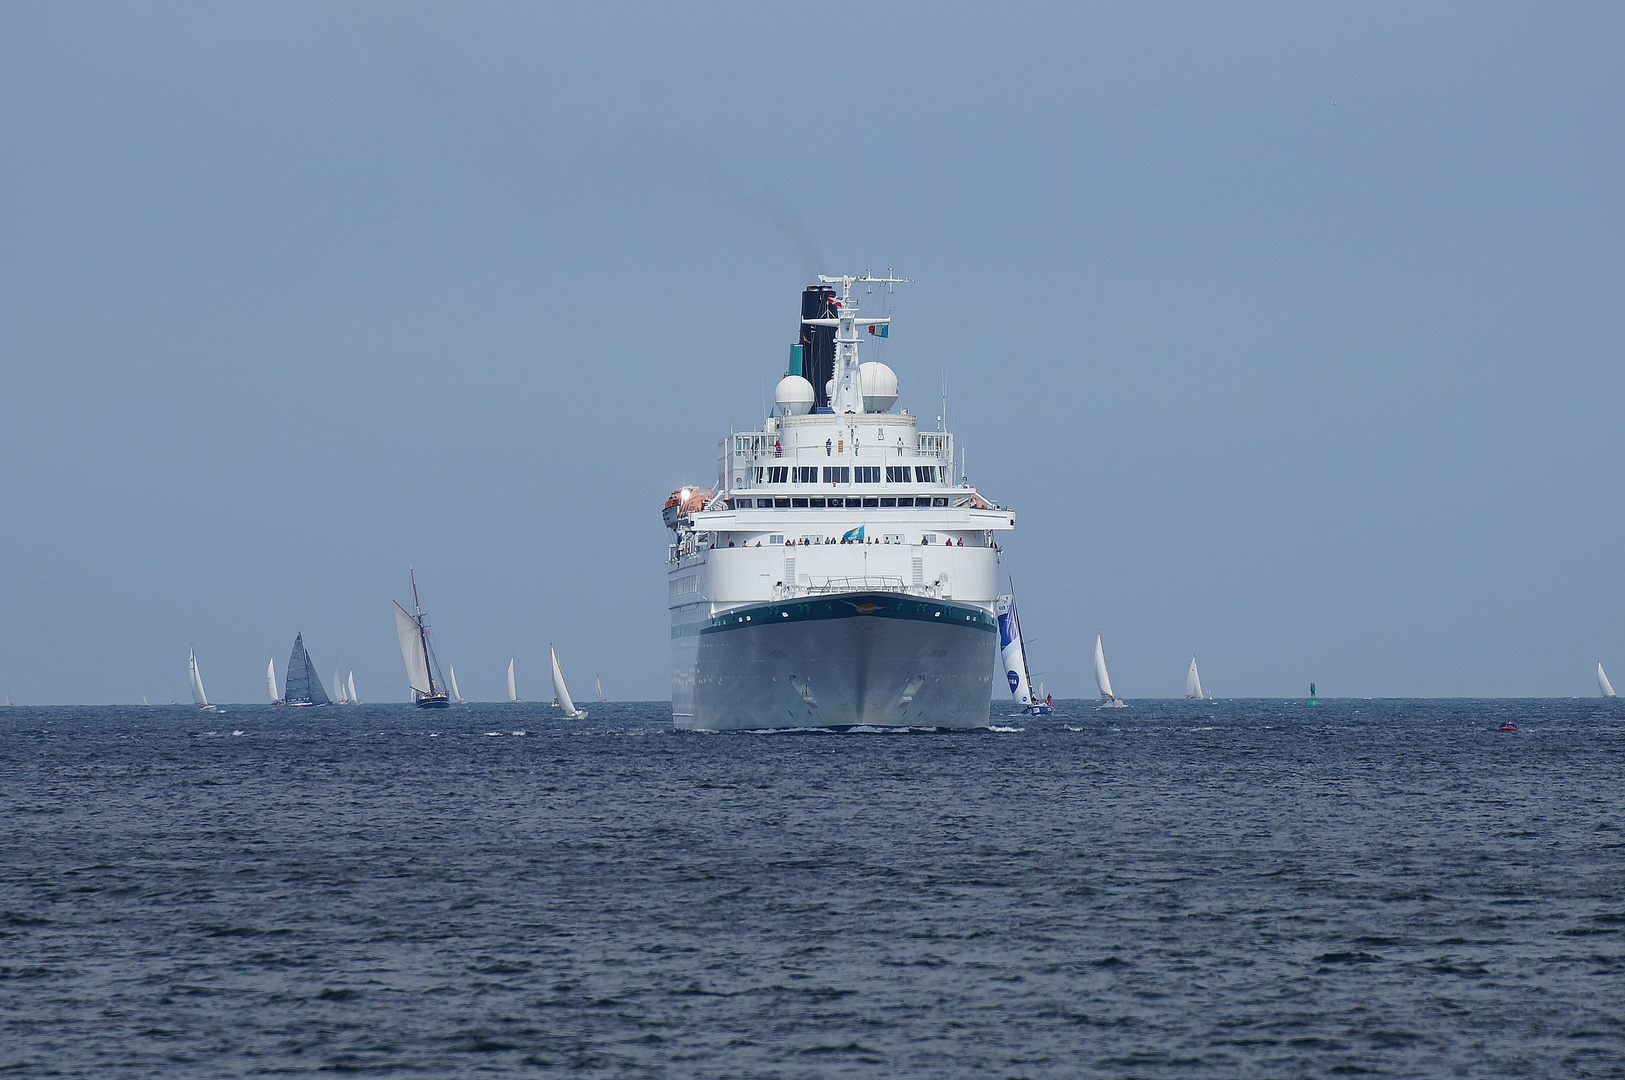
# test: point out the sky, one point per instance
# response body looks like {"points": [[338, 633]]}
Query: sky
{"points": [[1292, 333]]}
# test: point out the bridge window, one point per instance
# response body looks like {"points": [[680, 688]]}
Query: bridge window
{"points": [[764, 502], [866, 474], [925, 474], [837, 474], [781, 501], [897, 474], [778, 474], [806, 474]]}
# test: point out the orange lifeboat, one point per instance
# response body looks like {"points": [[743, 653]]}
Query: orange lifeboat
{"points": [[685, 501]]}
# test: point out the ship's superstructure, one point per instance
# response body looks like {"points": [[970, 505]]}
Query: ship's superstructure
{"points": [[842, 572]]}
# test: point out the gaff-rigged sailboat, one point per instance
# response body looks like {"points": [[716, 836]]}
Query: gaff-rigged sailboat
{"points": [[1603, 684], [413, 631], [1014, 652], [199, 698], [302, 686], [562, 693], [1104, 681], [1193, 683]]}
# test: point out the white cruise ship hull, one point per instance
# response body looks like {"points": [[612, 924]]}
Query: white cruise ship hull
{"points": [[881, 659]]}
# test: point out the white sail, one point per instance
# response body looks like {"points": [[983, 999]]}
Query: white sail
{"points": [[338, 687], [455, 693], [1102, 680], [350, 690], [198, 696], [412, 654], [270, 680], [1012, 651], [561, 692], [513, 692], [1193, 682], [1603, 683]]}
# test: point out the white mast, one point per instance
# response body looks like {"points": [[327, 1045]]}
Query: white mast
{"points": [[848, 395]]}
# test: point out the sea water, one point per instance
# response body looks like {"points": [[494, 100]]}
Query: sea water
{"points": [[1224, 889]]}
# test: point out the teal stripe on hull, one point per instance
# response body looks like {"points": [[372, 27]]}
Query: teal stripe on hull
{"points": [[848, 606]]}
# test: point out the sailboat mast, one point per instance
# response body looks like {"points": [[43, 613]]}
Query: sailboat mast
{"points": [[423, 633]]}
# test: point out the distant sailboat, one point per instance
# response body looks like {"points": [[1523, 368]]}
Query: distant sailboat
{"points": [[456, 695], [338, 688], [513, 692], [199, 698], [351, 691], [413, 631], [1603, 683], [144, 700], [561, 693], [600, 684], [1193, 683], [1014, 653], [270, 681], [1103, 680], [302, 686]]}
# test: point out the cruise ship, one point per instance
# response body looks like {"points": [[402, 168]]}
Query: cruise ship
{"points": [[841, 572]]}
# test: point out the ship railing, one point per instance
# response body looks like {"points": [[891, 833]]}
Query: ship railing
{"points": [[870, 583]]}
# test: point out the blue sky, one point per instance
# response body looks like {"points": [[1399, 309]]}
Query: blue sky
{"points": [[1292, 332]]}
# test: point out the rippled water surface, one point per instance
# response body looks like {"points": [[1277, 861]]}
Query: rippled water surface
{"points": [[1235, 889]]}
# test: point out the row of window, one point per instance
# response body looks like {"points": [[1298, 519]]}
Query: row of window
{"points": [[846, 474], [850, 502]]}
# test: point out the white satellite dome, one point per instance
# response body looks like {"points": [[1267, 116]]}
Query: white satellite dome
{"points": [[879, 385], [793, 396]]}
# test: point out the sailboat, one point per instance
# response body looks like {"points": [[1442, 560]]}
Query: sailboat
{"points": [[1104, 681], [270, 681], [199, 698], [1603, 684], [456, 695], [600, 684], [413, 631], [1014, 653], [338, 688], [350, 692], [1193, 683], [561, 693], [513, 693], [302, 686]]}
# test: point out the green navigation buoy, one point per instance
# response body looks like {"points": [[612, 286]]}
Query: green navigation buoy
{"points": [[1312, 699]]}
